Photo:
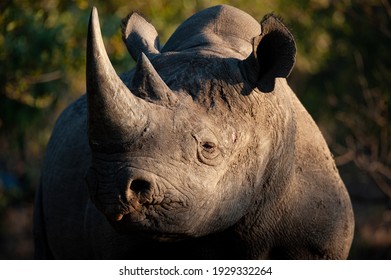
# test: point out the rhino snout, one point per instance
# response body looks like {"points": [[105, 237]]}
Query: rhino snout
{"points": [[127, 193], [135, 196]]}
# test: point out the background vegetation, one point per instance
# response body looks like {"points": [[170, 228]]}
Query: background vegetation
{"points": [[342, 76]]}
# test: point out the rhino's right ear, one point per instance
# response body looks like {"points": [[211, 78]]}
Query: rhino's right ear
{"points": [[139, 36], [273, 55]]}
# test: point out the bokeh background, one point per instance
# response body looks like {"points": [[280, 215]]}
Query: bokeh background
{"points": [[342, 76]]}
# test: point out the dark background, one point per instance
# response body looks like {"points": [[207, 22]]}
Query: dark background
{"points": [[342, 76]]}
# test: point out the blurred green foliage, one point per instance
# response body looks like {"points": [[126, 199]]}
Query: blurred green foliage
{"points": [[342, 75]]}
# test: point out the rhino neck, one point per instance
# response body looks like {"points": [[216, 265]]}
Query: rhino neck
{"points": [[275, 182], [260, 229]]}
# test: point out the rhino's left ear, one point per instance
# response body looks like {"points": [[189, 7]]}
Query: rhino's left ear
{"points": [[139, 36], [273, 55]]}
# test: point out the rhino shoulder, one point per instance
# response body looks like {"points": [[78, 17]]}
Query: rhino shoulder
{"points": [[319, 199], [63, 191], [69, 134]]}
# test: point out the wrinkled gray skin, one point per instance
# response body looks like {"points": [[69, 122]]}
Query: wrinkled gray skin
{"points": [[201, 151]]}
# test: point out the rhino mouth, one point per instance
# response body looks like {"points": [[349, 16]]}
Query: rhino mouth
{"points": [[156, 217], [150, 225]]}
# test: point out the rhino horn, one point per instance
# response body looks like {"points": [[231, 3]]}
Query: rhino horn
{"points": [[149, 85], [111, 105]]}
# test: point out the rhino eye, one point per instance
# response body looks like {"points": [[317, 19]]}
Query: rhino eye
{"points": [[208, 150], [209, 153], [208, 146]]}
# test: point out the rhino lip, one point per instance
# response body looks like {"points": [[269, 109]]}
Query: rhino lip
{"points": [[130, 212], [134, 209], [117, 217], [127, 219], [145, 219]]}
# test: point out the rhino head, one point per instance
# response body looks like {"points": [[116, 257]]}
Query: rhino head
{"points": [[184, 144]]}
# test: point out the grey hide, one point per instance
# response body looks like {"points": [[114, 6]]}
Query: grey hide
{"points": [[202, 151]]}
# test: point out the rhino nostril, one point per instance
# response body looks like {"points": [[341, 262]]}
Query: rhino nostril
{"points": [[140, 187]]}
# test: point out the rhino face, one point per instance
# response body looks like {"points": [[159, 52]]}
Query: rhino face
{"points": [[175, 179], [175, 152]]}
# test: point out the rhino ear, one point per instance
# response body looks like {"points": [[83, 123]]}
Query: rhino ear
{"points": [[273, 55], [139, 36]]}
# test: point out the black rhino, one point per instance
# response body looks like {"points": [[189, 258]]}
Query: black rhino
{"points": [[201, 152]]}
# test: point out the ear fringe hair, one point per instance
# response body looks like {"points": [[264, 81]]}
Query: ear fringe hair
{"points": [[272, 14]]}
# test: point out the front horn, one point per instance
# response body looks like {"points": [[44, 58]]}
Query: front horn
{"points": [[113, 111]]}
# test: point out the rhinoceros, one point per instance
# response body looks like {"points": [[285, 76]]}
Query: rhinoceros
{"points": [[202, 151]]}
